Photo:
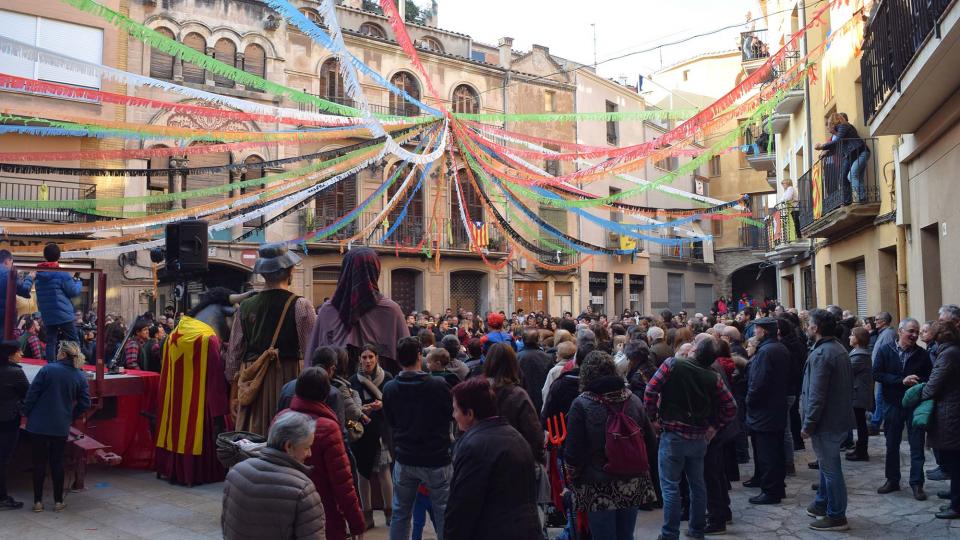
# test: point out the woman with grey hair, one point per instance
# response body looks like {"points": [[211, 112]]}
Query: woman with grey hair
{"points": [[272, 496], [611, 501], [58, 395]]}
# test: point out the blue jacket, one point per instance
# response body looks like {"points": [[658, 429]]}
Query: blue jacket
{"points": [[54, 291], [887, 370], [768, 387], [57, 396], [23, 289]]}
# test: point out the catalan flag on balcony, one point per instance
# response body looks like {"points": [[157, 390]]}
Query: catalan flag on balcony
{"points": [[481, 235], [627, 243], [816, 189]]}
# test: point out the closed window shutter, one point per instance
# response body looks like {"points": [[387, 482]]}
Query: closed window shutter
{"points": [[21, 28], [226, 52], [76, 41], [255, 62], [161, 63], [861, 271], [191, 72]]}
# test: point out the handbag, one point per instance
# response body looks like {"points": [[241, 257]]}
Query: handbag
{"points": [[252, 375]]}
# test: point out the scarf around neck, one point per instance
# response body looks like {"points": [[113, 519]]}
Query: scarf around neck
{"points": [[372, 384]]}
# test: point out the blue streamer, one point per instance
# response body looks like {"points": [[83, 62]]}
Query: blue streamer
{"points": [[309, 28]]}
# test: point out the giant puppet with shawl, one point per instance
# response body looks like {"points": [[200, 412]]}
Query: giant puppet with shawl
{"points": [[195, 406]]}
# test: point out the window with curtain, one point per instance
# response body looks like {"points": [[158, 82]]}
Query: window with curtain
{"points": [[193, 73], [226, 52], [331, 82], [255, 62], [161, 63], [465, 100], [408, 83]]}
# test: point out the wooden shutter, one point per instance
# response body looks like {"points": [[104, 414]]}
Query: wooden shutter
{"points": [[255, 63], [193, 73], [161, 63], [226, 52]]}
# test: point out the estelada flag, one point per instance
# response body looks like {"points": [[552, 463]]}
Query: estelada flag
{"points": [[187, 353]]}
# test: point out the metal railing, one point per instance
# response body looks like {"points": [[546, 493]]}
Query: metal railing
{"points": [[754, 238], [757, 141], [408, 110], [827, 186], [783, 224], [753, 45], [33, 189], [556, 257], [890, 41], [409, 233], [687, 250]]}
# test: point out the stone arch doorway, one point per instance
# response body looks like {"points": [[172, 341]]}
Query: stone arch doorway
{"points": [[758, 280]]}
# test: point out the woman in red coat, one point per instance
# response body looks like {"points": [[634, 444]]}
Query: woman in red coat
{"points": [[331, 467]]}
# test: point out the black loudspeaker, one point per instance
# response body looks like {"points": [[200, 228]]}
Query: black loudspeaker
{"points": [[187, 246]]}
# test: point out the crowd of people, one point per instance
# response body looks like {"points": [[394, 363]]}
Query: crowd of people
{"points": [[499, 425]]}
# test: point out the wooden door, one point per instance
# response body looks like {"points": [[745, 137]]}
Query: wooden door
{"points": [[403, 289], [531, 296]]}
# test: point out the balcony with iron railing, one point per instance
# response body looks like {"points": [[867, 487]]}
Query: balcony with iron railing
{"points": [[792, 97], [556, 257], [754, 49], [32, 189], [759, 147], [408, 234], [754, 238], [900, 87], [782, 232], [404, 109], [687, 251], [829, 204]]}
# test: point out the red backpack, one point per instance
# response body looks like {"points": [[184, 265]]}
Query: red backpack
{"points": [[625, 446]]}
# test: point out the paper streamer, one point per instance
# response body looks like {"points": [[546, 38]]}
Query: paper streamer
{"points": [[622, 116]]}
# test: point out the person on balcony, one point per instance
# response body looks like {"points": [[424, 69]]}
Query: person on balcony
{"points": [[853, 153], [789, 202]]}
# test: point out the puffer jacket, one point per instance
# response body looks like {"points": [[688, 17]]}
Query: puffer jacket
{"points": [[13, 388], [331, 470], [584, 448], [922, 409], [54, 291], [944, 388], [271, 496]]}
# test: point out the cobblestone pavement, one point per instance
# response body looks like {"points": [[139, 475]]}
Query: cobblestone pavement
{"points": [[130, 504]]}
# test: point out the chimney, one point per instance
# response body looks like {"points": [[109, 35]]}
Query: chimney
{"points": [[506, 52]]}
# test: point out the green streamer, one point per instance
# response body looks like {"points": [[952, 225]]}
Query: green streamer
{"points": [[676, 114], [168, 197], [174, 48]]}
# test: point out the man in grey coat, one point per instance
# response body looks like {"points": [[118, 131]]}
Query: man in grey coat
{"points": [[827, 410], [885, 335]]}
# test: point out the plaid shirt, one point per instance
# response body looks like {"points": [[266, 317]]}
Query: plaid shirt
{"points": [[32, 348], [131, 354], [725, 413]]}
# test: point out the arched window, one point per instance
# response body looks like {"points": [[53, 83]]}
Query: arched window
{"points": [[252, 173], [408, 83], [193, 73], [226, 52], [431, 44], [312, 15], [372, 30], [255, 62], [331, 82], [161, 63], [465, 100]]}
